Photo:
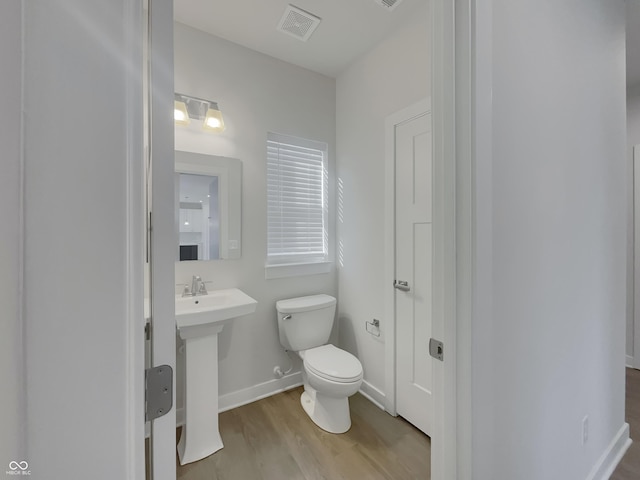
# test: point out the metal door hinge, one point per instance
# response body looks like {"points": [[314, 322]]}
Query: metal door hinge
{"points": [[436, 349], [158, 391]]}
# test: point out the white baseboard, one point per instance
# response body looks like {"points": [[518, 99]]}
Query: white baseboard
{"points": [[257, 392], [612, 455], [251, 394], [373, 394], [630, 362]]}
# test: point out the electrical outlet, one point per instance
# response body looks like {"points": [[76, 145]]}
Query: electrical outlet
{"points": [[585, 429]]}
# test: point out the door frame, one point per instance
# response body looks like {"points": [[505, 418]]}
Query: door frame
{"points": [[635, 360], [448, 458], [134, 251], [163, 235]]}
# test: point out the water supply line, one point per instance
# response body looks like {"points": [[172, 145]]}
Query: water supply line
{"points": [[277, 371]]}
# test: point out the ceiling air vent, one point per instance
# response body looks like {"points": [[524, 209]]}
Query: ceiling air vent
{"points": [[298, 23], [388, 4]]}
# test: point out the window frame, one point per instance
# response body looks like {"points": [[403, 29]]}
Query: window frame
{"points": [[285, 265]]}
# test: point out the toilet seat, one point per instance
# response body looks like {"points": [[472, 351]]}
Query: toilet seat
{"points": [[332, 363]]}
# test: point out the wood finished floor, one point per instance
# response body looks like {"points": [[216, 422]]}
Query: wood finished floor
{"points": [[273, 439], [629, 467]]}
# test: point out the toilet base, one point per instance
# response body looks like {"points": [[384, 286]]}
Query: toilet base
{"points": [[330, 414]]}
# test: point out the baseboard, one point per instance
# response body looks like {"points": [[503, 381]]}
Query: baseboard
{"points": [[612, 455], [373, 394], [251, 394], [630, 362]]}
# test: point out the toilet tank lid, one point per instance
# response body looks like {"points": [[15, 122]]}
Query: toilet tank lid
{"points": [[304, 304]]}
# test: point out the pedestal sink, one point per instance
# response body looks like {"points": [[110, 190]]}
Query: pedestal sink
{"points": [[199, 320]]}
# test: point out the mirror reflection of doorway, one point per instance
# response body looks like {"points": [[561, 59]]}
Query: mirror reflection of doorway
{"points": [[199, 217]]}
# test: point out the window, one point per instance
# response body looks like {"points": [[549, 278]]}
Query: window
{"points": [[296, 203]]}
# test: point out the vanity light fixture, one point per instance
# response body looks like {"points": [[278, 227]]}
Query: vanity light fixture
{"points": [[187, 108], [213, 120], [180, 114]]}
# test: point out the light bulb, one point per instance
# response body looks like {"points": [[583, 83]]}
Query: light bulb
{"points": [[213, 119], [213, 122], [180, 115]]}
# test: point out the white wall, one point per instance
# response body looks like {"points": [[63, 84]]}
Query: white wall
{"points": [[76, 143], [633, 138], [553, 209], [11, 347], [256, 94], [392, 76]]}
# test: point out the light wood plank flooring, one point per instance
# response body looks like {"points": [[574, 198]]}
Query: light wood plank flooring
{"points": [[273, 439], [629, 467]]}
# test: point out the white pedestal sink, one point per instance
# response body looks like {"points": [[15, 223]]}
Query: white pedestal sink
{"points": [[199, 320]]}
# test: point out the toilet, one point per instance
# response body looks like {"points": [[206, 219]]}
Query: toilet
{"points": [[330, 375]]}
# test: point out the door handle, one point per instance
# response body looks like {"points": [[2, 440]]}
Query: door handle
{"points": [[401, 285]]}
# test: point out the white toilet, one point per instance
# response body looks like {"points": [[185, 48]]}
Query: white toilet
{"points": [[330, 375]]}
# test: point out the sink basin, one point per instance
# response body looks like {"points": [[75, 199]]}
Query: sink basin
{"points": [[207, 314]]}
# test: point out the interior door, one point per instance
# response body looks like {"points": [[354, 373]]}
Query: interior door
{"points": [[414, 270]]}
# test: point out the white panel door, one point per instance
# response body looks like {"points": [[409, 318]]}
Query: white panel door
{"points": [[413, 230]]}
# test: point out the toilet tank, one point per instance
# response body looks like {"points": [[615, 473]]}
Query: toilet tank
{"points": [[305, 322]]}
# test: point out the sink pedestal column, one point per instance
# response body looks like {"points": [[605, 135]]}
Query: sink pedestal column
{"points": [[200, 435]]}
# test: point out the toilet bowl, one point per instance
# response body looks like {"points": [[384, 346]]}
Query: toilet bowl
{"points": [[330, 374]]}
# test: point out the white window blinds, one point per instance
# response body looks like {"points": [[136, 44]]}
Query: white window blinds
{"points": [[296, 200]]}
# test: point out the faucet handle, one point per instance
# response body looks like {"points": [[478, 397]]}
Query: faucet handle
{"points": [[186, 290], [202, 290]]}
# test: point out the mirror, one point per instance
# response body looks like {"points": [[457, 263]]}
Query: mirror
{"points": [[208, 198]]}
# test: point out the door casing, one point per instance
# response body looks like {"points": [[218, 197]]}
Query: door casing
{"points": [[636, 262]]}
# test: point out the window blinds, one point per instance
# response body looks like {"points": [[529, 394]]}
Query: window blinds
{"points": [[296, 200]]}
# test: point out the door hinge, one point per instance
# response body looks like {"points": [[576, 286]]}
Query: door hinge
{"points": [[436, 349], [158, 391]]}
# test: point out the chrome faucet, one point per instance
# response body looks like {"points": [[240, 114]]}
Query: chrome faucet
{"points": [[198, 287], [196, 281]]}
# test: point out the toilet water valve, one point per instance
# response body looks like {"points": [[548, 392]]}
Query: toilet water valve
{"points": [[277, 370]]}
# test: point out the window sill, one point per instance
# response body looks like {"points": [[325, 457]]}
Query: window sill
{"points": [[296, 269]]}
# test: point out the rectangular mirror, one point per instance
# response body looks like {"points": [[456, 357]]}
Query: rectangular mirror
{"points": [[208, 198]]}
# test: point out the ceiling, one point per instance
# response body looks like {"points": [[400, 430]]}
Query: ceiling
{"points": [[349, 28]]}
